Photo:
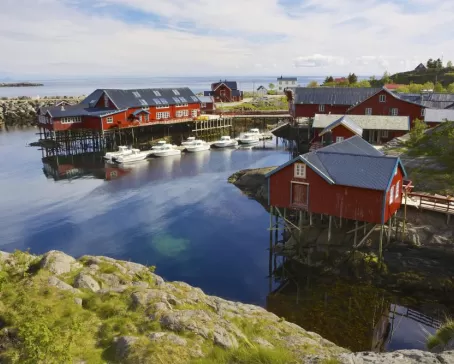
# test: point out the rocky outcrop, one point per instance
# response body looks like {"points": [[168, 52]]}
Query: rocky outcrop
{"points": [[22, 112], [20, 84], [398, 357]]}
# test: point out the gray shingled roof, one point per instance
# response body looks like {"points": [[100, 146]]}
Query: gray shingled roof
{"points": [[353, 162], [433, 100], [438, 116], [333, 95], [230, 84], [205, 99], [366, 122], [236, 93], [347, 122], [287, 78], [78, 110]]}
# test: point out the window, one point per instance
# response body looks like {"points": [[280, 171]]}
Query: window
{"points": [[106, 100], [71, 120], [136, 94], [385, 133], [179, 113], [204, 105], [382, 98], [300, 170], [321, 108], [157, 101], [280, 82], [143, 102], [162, 107], [109, 120], [397, 190], [176, 92], [182, 105], [368, 111], [394, 111], [194, 98], [182, 99], [391, 195], [147, 118], [164, 101], [157, 93], [339, 139], [140, 118], [423, 112], [163, 115], [194, 113]]}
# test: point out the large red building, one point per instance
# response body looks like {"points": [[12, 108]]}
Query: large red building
{"points": [[350, 180], [107, 109], [225, 91]]}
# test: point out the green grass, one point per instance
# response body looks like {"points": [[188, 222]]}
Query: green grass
{"points": [[442, 336], [248, 356]]}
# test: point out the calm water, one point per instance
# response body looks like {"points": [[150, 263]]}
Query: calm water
{"points": [[82, 86], [181, 215]]}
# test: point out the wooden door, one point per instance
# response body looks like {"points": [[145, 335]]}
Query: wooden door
{"points": [[300, 194]]}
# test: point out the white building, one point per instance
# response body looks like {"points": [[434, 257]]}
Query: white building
{"points": [[286, 82], [262, 91]]}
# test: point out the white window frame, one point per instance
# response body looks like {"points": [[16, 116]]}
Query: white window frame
{"points": [[194, 113], [368, 111], [382, 98], [394, 111], [340, 139], [162, 107], [299, 170], [204, 105], [186, 112], [397, 190], [321, 108], [391, 195], [157, 93], [176, 92], [71, 120], [385, 133], [147, 118], [181, 105], [109, 120]]}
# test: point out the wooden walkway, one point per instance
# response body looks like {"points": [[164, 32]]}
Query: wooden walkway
{"points": [[425, 201]]}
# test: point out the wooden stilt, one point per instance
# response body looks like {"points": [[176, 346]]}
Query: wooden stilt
{"points": [[300, 225], [356, 233], [404, 232], [380, 247], [390, 229], [396, 223], [330, 218], [310, 218]]}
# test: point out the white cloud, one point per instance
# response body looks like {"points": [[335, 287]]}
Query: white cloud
{"points": [[56, 37]]}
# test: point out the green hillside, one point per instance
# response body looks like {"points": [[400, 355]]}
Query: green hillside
{"points": [[445, 76]]}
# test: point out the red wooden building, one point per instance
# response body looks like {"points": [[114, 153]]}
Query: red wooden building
{"points": [[376, 129], [107, 109], [349, 180], [385, 102], [225, 91], [305, 102], [207, 104]]}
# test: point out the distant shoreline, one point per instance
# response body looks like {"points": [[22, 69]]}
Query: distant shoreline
{"points": [[20, 84]]}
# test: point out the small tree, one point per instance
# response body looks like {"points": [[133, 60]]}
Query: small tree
{"points": [[450, 88], [271, 86], [312, 84], [386, 78], [328, 79], [364, 83], [449, 64], [428, 86], [430, 63], [417, 132], [438, 64], [439, 87], [352, 78]]}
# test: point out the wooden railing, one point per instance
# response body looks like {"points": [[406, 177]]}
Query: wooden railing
{"points": [[252, 112], [435, 203]]}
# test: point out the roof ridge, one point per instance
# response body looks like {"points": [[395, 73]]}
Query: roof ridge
{"points": [[320, 151]]}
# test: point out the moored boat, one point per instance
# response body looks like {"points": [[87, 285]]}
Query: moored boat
{"points": [[189, 141], [166, 150], [225, 141], [159, 145], [122, 150], [135, 156], [198, 146], [249, 138], [257, 133]]}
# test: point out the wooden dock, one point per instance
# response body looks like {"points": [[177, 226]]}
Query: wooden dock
{"points": [[425, 201]]}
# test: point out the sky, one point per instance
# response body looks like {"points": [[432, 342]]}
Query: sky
{"points": [[55, 38]]}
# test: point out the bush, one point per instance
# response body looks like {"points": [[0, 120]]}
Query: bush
{"points": [[417, 132]]}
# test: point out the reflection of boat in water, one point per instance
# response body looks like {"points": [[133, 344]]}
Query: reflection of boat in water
{"points": [[198, 146], [225, 142], [167, 166], [122, 150], [135, 156], [166, 151]]}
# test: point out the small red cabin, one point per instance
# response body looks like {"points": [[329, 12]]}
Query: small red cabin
{"points": [[350, 180], [225, 91]]}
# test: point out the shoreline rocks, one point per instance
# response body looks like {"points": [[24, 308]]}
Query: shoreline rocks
{"points": [[20, 84]]}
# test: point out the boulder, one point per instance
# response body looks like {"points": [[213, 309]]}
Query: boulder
{"points": [[397, 357], [123, 346], [195, 321], [58, 262], [86, 281], [171, 338], [55, 282]]}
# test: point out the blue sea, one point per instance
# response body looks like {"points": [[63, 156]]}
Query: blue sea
{"points": [[81, 86]]}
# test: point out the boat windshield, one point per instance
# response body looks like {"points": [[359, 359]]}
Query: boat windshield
{"points": [[225, 138]]}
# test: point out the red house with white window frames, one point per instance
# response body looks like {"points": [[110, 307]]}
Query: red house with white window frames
{"points": [[107, 109], [350, 180], [225, 91]]}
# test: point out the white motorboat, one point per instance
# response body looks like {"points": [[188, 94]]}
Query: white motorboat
{"points": [[122, 150], [166, 150], [256, 132], [225, 141], [135, 156], [198, 146], [159, 145], [249, 138], [189, 141]]}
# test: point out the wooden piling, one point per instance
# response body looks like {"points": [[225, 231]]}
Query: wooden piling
{"points": [[330, 218], [356, 233], [380, 247]]}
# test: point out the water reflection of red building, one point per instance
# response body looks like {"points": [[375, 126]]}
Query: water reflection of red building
{"points": [[112, 173]]}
